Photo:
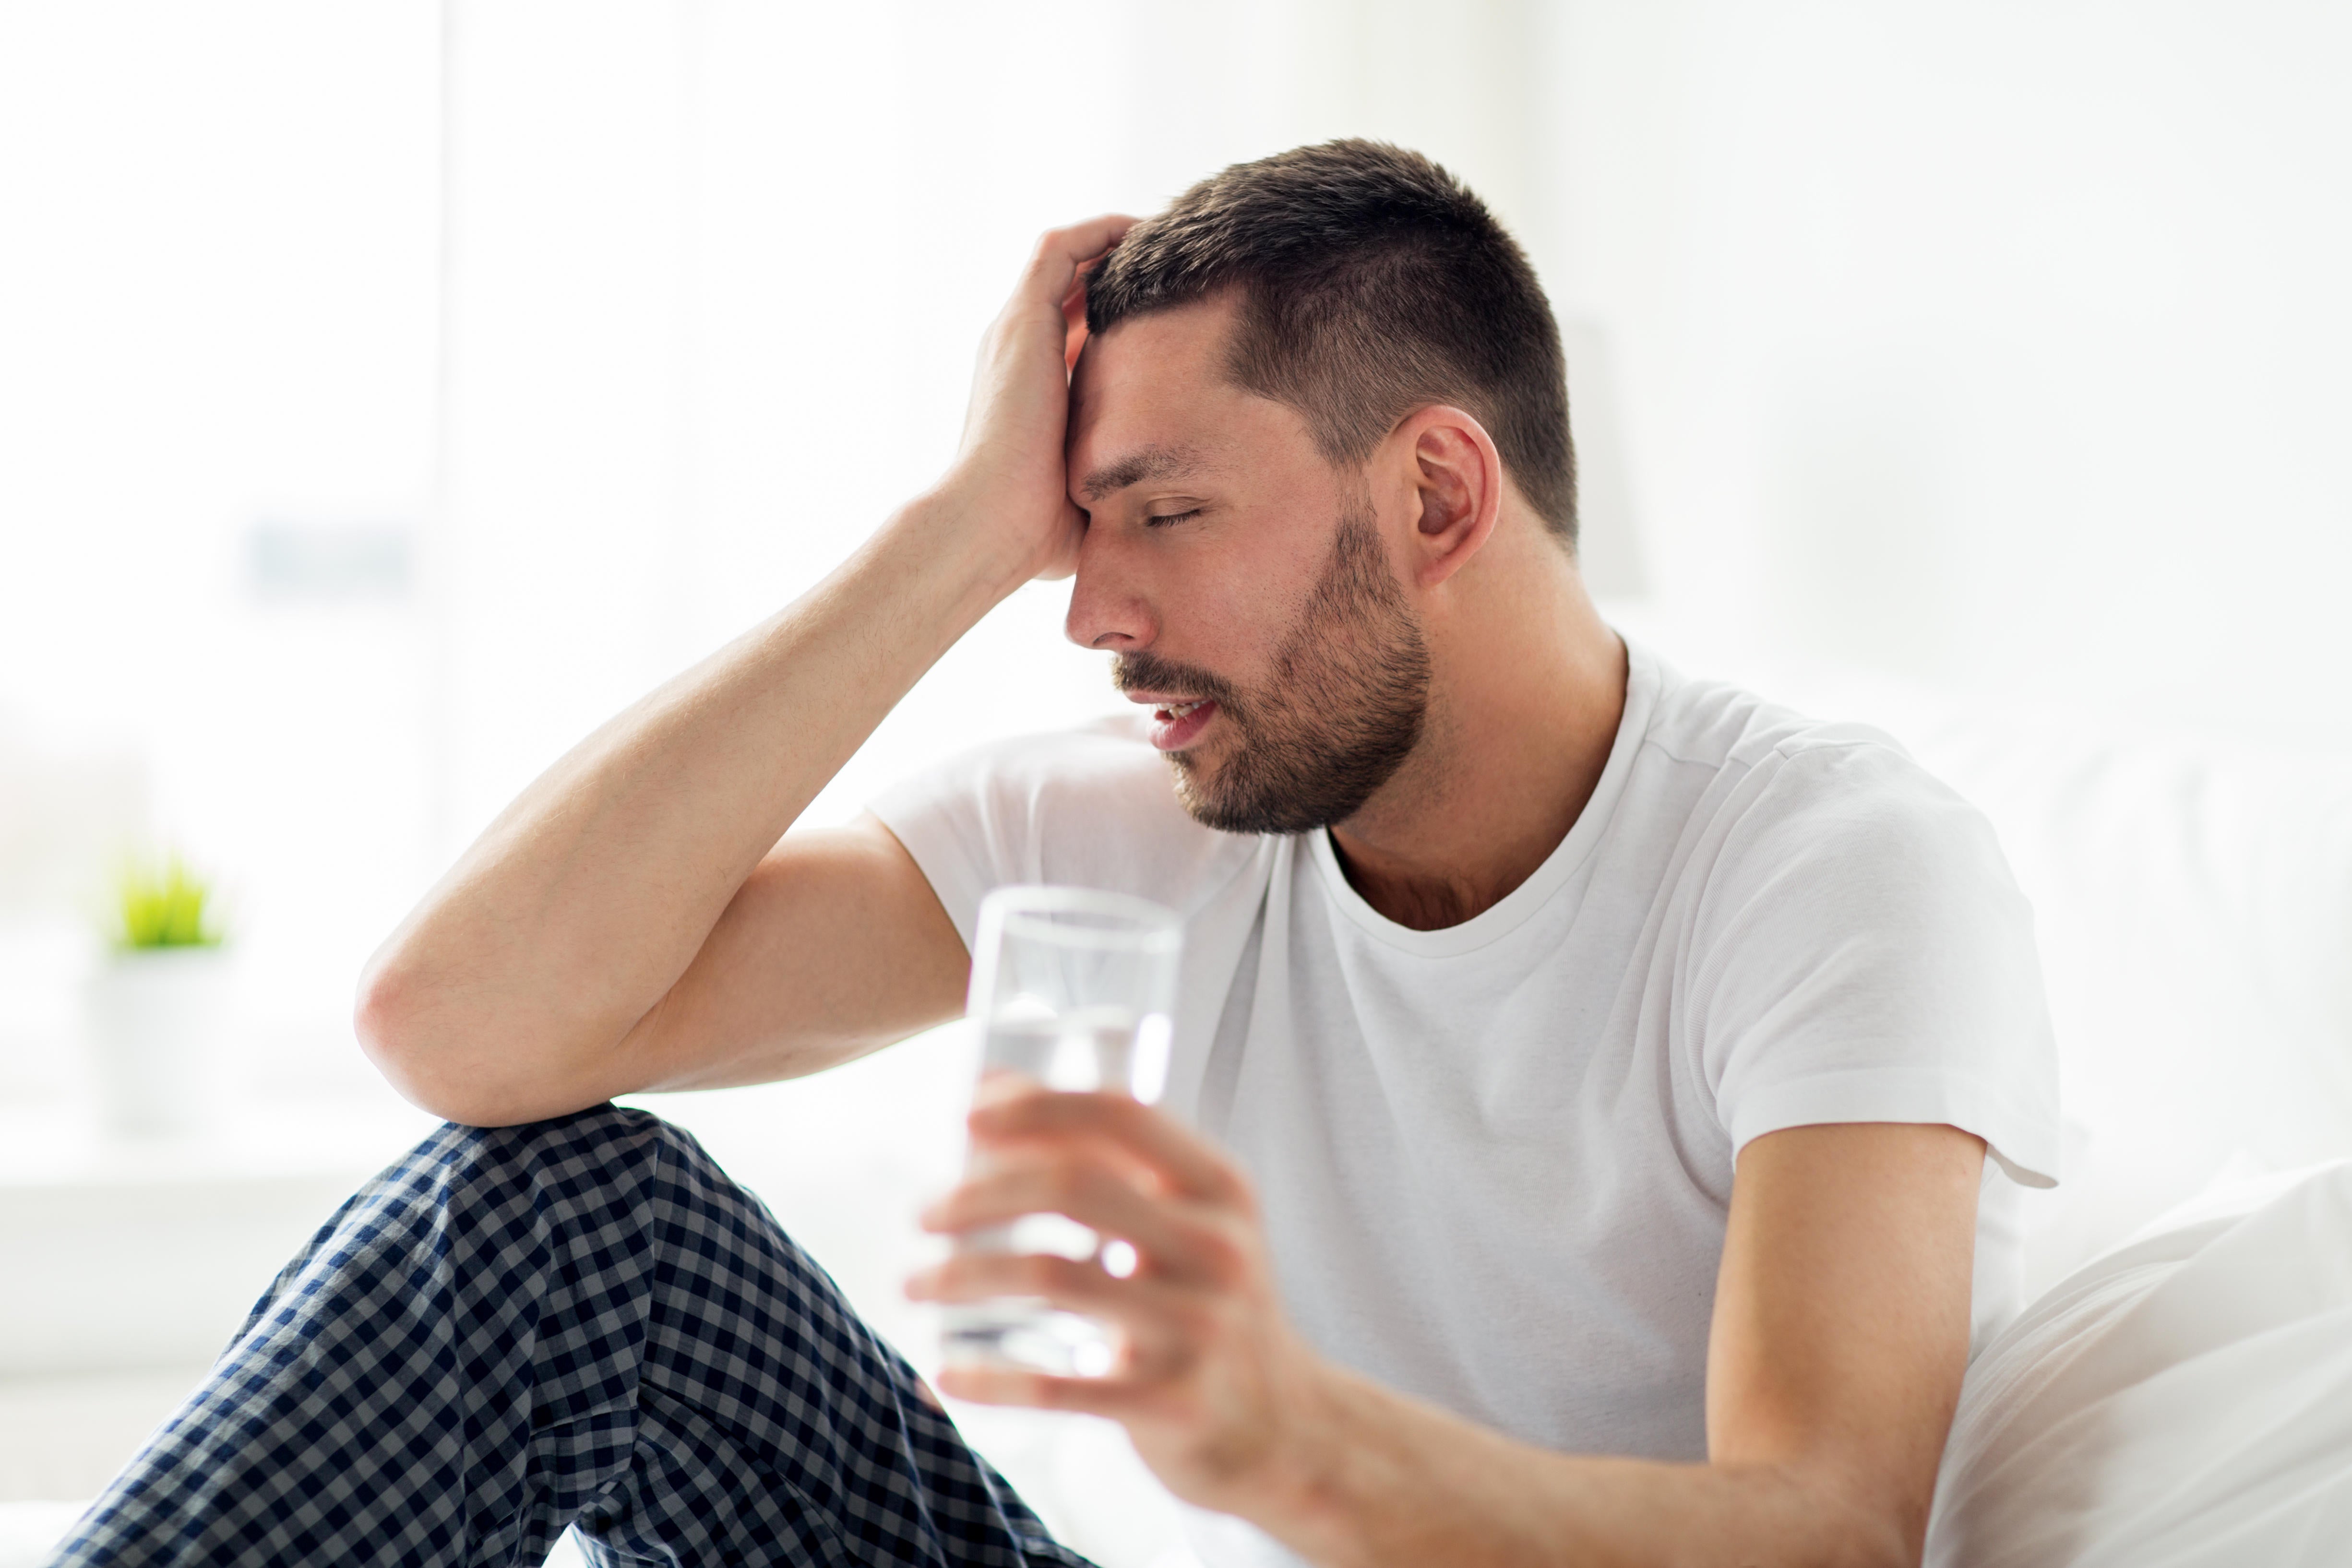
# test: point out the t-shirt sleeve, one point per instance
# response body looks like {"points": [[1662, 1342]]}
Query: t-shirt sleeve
{"points": [[1085, 807], [954, 820], [1863, 955]]}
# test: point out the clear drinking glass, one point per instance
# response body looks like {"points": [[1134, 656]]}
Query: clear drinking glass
{"points": [[1072, 989]]}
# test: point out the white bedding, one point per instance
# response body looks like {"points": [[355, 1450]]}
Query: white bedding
{"points": [[2184, 1401]]}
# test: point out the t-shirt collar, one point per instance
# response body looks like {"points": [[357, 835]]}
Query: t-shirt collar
{"points": [[1643, 679]]}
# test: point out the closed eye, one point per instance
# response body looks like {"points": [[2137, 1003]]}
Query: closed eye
{"points": [[1154, 522]]}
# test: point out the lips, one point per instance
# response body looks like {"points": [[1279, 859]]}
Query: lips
{"points": [[1177, 722]]}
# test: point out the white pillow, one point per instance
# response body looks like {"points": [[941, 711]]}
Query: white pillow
{"points": [[2184, 1401]]}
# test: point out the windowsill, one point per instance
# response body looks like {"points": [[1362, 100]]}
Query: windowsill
{"points": [[261, 1137]]}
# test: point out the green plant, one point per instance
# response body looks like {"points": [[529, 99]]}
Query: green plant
{"points": [[162, 906]]}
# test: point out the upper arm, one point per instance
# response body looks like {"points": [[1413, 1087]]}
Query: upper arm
{"points": [[1862, 955], [835, 945], [1841, 1327]]}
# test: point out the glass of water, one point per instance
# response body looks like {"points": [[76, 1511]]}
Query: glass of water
{"points": [[1072, 990]]}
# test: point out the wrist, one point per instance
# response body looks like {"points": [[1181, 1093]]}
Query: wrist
{"points": [[1304, 1491], [941, 549], [966, 519]]}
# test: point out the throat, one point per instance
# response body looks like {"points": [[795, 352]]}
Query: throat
{"points": [[1497, 786], [1421, 900]]}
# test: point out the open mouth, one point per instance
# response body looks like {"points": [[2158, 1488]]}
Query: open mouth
{"points": [[1177, 725]]}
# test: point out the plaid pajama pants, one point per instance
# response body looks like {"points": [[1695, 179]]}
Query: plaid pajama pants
{"points": [[514, 1327]]}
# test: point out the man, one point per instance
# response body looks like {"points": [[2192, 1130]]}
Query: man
{"points": [[1585, 1077]]}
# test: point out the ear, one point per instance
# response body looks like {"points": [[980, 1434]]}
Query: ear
{"points": [[1457, 481]]}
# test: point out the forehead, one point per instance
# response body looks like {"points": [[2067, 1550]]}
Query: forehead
{"points": [[1150, 399]]}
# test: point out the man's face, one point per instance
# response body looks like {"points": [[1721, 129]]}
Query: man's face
{"points": [[1242, 582]]}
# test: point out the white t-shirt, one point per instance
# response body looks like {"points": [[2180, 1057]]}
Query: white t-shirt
{"points": [[1495, 1160]]}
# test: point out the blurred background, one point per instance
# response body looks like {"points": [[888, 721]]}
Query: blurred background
{"points": [[389, 391]]}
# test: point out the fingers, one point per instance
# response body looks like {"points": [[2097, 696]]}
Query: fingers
{"points": [[1185, 1162], [993, 1384], [1174, 1239], [1192, 1316], [1074, 319], [1062, 252], [1074, 1284], [1057, 270], [1159, 1325], [1053, 283]]}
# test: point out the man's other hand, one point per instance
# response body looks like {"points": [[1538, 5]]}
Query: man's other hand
{"points": [[1841, 1332], [1210, 1382], [1008, 475]]}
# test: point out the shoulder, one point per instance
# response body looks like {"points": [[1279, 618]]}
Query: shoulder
{"points": [[1812, 824], [1853, 946], [1813, 789], [1715, 723]]}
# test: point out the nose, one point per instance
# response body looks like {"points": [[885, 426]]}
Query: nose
{"points": [[1108, 608]]}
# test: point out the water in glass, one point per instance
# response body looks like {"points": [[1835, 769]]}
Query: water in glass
{"points": [[1072, 990]]}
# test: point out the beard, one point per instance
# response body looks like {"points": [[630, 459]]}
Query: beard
{"points": [[1342, 708]]}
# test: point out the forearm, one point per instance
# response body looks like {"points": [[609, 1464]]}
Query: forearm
{"points": [[1379, 1480], [582, 903]]}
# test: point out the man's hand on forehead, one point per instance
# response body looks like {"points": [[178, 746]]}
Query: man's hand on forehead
{"points": [[1009, 481]]}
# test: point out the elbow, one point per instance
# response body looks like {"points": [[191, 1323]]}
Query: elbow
{"points": [[393, 1018], [1889, 1536], [1854, 1520], [433, 1052], [388, 1021]]}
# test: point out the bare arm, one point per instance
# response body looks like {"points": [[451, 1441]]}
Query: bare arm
{"points": [[1841, 1333], [632, 920]]}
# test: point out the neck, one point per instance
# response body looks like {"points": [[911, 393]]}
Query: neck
{"points": [[1522, 717]]}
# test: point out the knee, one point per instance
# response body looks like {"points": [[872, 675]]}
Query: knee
{"points": [[596, 1160], [598, 1127]]}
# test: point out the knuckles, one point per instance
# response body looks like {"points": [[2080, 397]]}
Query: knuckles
{"points": [[1223, 1256], [1062, 1186], [1071, 1185], [981, 1275]]}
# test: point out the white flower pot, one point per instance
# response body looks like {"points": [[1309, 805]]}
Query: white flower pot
{"points": [[155, 1041]]}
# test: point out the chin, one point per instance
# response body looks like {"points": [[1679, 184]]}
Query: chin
{"points": [[1196, 791]]}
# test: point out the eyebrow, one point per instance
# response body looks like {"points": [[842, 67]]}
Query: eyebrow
{"points": [[1150, 462]]}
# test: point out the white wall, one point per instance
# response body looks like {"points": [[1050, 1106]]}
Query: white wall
{"points": [[1999, 346], [217, 307], [718, 276]]}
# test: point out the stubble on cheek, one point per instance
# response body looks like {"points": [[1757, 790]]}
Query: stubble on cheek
{"points": [[1342, 708]]}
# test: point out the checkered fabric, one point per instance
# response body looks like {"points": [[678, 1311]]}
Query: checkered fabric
{"points": [[514, 1327]]}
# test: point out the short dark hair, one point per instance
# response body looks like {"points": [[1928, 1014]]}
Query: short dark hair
{"points": [[1372, 283]]}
